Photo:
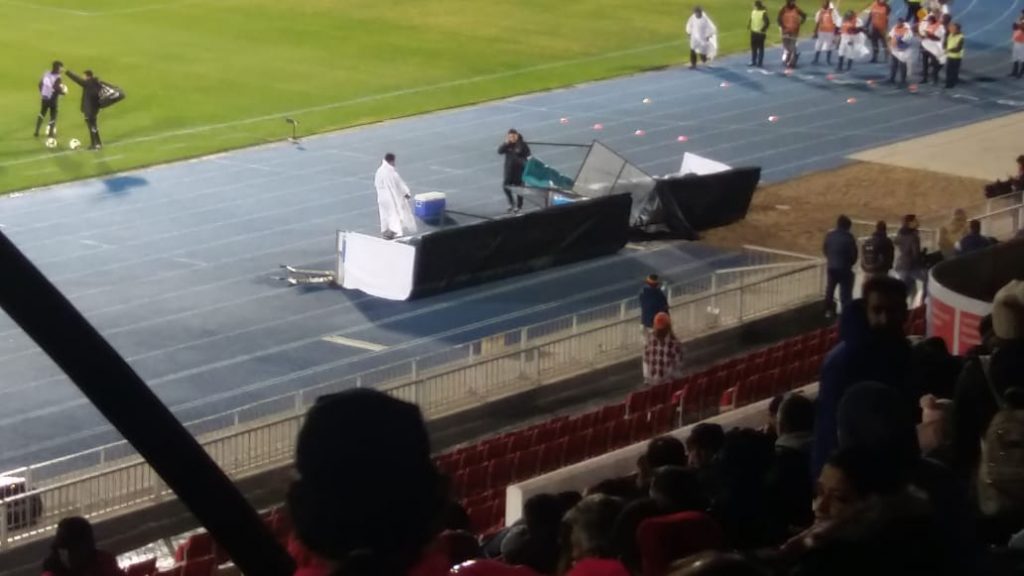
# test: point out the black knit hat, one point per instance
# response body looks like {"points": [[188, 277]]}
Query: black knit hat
{"points": [[367, 486]]}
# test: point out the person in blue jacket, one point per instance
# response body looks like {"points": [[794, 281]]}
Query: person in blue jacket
{"points": [[840, 250], [652, 301], [872, 347], [973, 240]]}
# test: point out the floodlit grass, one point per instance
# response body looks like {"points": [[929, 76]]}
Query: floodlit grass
{"points": [[209, 75]]}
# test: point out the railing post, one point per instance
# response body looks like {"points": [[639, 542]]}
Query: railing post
{"points": [[622, 310], [3, 525], [414, 370], [575, 322]]}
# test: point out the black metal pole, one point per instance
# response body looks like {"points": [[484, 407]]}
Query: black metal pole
{"points": [[127, 402]]}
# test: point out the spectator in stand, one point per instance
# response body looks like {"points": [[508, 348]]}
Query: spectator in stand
{"points": [[771, 428], [73, 552], [663, 353], [742, 503], [993, 368], [673, 489], [661, 451], [840, 249], [952, 232], [878, 252], [791, 480], [702, 448], [934, 433], [652, 301], [909, 259], [973, 240], [933, 369], [871, 347], [378, 521], [534, 543], [880, 420], [588, 544]]}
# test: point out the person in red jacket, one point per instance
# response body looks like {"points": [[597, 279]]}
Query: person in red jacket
{"points": [[73, 552]]}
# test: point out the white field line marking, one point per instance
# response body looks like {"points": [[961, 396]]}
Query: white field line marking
{"points": [[363, 344]]}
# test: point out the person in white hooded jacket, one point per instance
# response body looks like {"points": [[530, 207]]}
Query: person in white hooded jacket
{"points": [[703, 37]]}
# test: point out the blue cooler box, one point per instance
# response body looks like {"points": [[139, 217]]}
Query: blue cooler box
{"points": [[429, 205]]}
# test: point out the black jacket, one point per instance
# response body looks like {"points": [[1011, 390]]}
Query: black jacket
{"points": [[652, 301], [516, 154], [840, 249], [91, 88]]}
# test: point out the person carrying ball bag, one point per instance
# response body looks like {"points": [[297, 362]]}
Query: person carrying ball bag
{"points": [[96, 95]]}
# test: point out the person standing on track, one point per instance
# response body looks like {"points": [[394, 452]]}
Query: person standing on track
{"points": [[791, 17], [954, 54], [851, 42], [703, 37], [91, 89], [901, 46], [50, 90], [879, 28], [933, 36], [516, 152], [758, 27], [1018, 50], [825, 22]]}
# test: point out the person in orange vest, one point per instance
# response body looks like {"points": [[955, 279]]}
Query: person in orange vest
{"points": [[933, 53], [879, 28], [791, 17], [825, 22], [901, 46], [850, 44], [1018, 50]]}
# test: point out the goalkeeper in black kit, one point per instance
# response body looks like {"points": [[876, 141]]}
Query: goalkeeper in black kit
{"points": [[91, 89]]}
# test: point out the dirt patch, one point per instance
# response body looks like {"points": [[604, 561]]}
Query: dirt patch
{"points": [[795, 215]]}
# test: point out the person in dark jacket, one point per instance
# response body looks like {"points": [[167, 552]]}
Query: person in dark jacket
{"points": [[791, 477], [652, 301], [516, 151], [872, 347], [878, 252], [909, 261], [73, 552], [973, 240], [91, 89], [840, 249]]}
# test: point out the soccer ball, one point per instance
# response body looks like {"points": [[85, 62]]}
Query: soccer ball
{"points": [[74, 144], [51, 142], [63, 88]]}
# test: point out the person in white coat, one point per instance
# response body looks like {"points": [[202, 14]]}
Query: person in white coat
{"points": [[901, 46], [933, 53], [852, 41], [393, 196], [703, 37]]}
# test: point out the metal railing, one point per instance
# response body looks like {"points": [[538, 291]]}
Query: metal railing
{"points": [[262, 435]]}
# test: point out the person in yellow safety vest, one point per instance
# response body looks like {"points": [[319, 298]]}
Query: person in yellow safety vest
{"points": [[791, 17], [825, 23], [1018, 50], [758, 27], [954, 54], [901, 46], [879, 27]]}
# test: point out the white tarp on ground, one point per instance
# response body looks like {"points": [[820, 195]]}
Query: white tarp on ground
{"points": [[382, 268], [699, 165]]}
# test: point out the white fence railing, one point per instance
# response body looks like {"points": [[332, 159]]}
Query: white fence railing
{"points": [[262, 435]]}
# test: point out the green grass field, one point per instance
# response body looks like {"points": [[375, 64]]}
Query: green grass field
{"points": [[208, 75]]}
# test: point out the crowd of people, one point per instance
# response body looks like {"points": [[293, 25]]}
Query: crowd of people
{"points": [[926, 34], [908, 461]]}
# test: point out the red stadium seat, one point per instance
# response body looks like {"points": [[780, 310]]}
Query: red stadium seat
{"points": [[597, 441], [660, 395], [195, 546], [476, 480], [640, 428], [473, 456], [612, 413], [665, 539], [639, 401], [172, 571], [525, 464], [499, 472], [552, 455], [576, 448], [618, 435], [728, 400], [663, 418], [143, 568], [495, 448], [521, 440], [199, 567]]}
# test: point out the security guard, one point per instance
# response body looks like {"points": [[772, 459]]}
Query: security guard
{"points": [[758, 27], [954, 54]]}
